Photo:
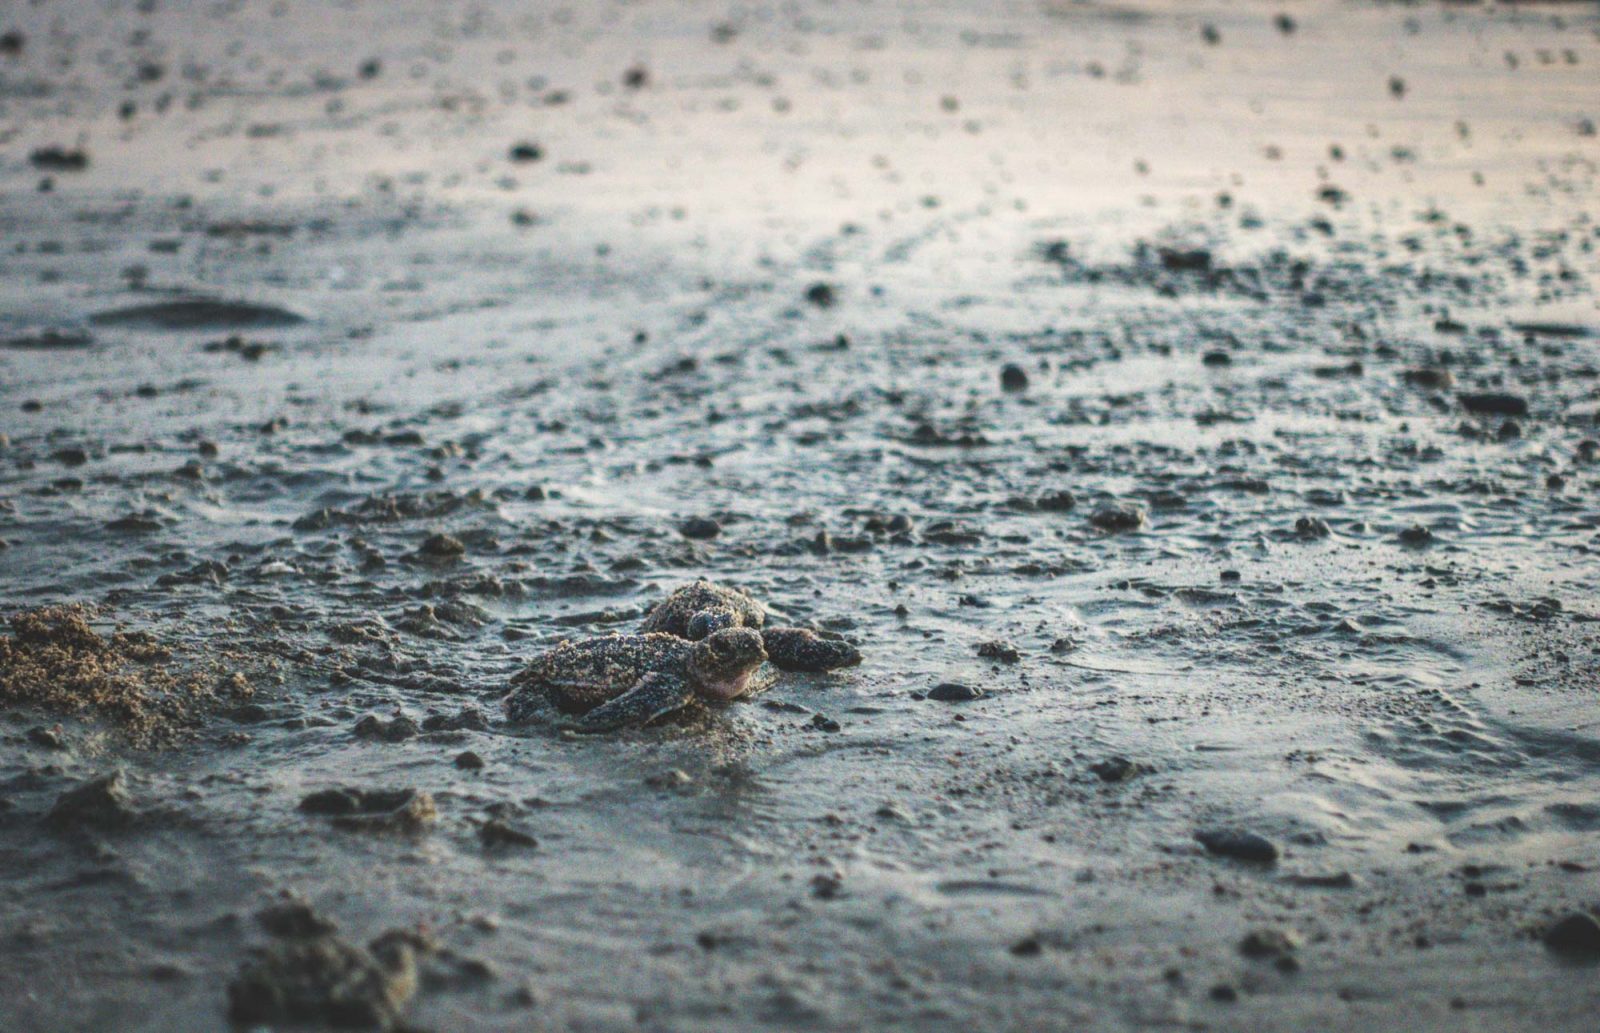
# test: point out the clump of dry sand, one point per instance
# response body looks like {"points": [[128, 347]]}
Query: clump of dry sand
{"points": [[56, 661]]}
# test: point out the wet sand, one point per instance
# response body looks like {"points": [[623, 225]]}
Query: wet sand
{"points": [[1189, 412]]}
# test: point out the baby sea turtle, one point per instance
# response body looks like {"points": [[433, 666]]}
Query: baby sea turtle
{"points": [[616, 680], [702, 608]]}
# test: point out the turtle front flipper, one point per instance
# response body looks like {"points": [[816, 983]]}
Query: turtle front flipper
{"points": [[654, 695], [797, 649]]}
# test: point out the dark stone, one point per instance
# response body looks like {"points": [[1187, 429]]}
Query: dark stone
{"points": [[1013, 377], [249, 714], [59, 159], [442, 547], [401, 729], [496, 833], [1239, 844], [251, 351], [373, 810], [821, 295], [999, 649], [672, 778], [326, 981], [135, 523], [1430, 379], [1114, 769], [468, 718], [398, 730], [49, 738], [1493, 403], [826, 887], [294, 919], [955, 692], [1267, 943], [101, 802], [1576, 934], [700, 528], [1312, 527], [1027, 947], [1417, 536], [1118, 517], [1175, 260]]}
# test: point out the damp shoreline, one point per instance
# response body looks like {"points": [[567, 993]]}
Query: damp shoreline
{"points": [[1188, 410]]}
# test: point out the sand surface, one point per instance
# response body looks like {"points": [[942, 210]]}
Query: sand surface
{"points": [[1285, 522]]}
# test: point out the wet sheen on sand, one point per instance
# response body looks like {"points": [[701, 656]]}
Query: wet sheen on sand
{"points": [[1190, 415]]}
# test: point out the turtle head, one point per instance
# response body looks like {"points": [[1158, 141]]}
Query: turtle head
{"points": [[721, 663], [705, 623]]}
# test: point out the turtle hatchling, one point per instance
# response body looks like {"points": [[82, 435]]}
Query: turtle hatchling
{"points": [[701, 608], [614, 681]]}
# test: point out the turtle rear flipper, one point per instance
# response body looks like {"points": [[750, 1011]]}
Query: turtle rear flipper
{"points": [[797, 649], [525, 704], [654, 695]]}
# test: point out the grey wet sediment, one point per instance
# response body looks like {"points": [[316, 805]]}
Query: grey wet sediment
{"points": [[1195, 431]]}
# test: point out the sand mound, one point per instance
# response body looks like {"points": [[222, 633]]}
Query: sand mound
{"points": [[56, 661]]}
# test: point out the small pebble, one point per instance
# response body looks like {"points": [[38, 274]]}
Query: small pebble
{"points": [[821, 295], [1027, 947], [1114, 769], [1239, 844], [1576, 934], [496, 833], [442, 547], [673, 778], [1268, 943], [1416, 536], [700, 528], [1118, 517]]}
